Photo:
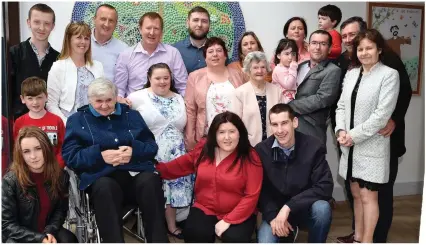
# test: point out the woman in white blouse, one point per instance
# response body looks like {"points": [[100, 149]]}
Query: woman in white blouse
{"points": [[70, 76], [163, 110], [368, 99]]}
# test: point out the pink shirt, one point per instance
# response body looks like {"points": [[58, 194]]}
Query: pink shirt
{"points": [[133, 63], [285, 77]]}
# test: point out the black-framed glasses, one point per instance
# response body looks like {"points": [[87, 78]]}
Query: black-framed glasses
{"points": [[315, 43]]}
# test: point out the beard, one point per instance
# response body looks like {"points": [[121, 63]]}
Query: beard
{"points": [[197, 37]]}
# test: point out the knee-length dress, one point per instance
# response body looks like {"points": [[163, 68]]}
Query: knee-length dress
{"points": [[166, 118]]}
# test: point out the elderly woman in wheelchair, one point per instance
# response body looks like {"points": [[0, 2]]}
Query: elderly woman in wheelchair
{"points": [[35, 193], [110, 148]]}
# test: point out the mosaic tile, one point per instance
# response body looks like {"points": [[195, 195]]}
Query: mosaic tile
{"points": [[227, 20]]}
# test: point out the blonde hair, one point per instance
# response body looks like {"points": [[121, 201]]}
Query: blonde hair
{"points": [[76, 28]]}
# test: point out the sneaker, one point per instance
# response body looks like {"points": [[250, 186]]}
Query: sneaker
{"points": [[291, 238], [346, 239]]}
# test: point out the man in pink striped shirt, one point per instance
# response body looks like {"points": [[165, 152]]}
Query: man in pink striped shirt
{"points": [[133, 63]]}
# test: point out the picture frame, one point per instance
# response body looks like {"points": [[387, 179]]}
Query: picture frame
{"points": [[402, 27]]}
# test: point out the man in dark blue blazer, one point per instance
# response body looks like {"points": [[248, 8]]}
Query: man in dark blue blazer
{"points": [[297, 182]]}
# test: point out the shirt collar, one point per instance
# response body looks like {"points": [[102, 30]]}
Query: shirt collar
{"points": [[35, 48], [322, 63], [117, 110], [276, 144], [94, 39], [188, 43], [139, 48]]}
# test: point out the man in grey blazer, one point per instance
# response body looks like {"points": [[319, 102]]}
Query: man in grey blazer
{"points": [[318, 87]]}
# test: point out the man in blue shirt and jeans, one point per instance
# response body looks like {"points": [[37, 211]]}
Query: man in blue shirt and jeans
{"points": [[191, 48], [297, 182]]}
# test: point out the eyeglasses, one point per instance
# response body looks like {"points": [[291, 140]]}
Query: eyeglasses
{"points": [[315, 43]]}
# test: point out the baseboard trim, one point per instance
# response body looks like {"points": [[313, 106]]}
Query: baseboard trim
{"points": [[399, 189]]}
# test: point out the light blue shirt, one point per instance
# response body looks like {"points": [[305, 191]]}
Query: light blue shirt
{"points": [[107, 53], [286, 151]]}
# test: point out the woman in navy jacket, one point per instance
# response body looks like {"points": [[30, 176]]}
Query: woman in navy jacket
{"points": [[112, 150]]}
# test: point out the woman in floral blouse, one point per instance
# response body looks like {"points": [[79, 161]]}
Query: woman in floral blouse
{"points": [[209, 91], [163, 110]]}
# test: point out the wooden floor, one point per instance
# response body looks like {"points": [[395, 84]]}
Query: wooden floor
{"points": [[405, 227]]}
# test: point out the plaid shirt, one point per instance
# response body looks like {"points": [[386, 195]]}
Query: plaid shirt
{"points": [[39, 58]]}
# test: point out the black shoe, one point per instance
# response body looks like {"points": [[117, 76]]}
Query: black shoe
{"points": [[291, 238], [346, 239], [177, 235]]}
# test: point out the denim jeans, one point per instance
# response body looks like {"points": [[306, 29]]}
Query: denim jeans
{"points": [[317, 221]]}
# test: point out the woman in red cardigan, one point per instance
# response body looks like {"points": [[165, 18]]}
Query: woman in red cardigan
{"points": [[229, 179]]}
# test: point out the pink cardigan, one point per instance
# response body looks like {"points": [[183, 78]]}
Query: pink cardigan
{"points": [[195, 102], [246, 106]]}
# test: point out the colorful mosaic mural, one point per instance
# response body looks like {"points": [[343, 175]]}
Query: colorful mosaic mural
{"points": [[227, 20]]}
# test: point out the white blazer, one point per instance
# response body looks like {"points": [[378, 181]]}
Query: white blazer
{"points": [[62, 85], [155, 121], [375, 102]]}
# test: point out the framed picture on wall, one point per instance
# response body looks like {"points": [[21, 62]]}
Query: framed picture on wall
{"points": [[402, 27]]}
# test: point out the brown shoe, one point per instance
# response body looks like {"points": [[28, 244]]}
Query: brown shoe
{"points": [[332, 203], [346, 239]]}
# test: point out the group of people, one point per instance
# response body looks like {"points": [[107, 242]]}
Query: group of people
{"points": [[241, 145]]}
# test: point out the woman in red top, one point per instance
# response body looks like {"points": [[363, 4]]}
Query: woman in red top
{"points": [[229, 178], [35, 193]]}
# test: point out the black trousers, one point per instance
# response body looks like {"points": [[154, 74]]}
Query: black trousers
{"points": [[109, 194], [200, 228], [385, 199]]}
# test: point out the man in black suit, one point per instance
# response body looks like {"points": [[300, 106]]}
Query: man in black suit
{"points": [[395, 127]]}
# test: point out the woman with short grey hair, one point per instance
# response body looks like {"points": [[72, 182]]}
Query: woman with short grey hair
{"points": [[100, 87], [254, 99], [255, 56], [112, 150]]}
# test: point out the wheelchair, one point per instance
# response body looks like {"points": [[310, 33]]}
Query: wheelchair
{"points": [[81, 215]]}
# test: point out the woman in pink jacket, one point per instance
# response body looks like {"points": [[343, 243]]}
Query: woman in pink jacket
{"points": [[209, 91]]}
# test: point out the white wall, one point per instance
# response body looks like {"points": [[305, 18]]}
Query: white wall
{"points": [[267, 21]]}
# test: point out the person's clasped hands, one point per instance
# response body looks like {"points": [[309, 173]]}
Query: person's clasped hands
{"points": [[118, 157], [344, 139]]}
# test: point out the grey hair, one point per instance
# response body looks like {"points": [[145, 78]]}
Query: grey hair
{"points": [[101, 86], [256, 56]]}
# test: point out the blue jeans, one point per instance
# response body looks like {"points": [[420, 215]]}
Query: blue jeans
{"points": [[317, 221]]}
